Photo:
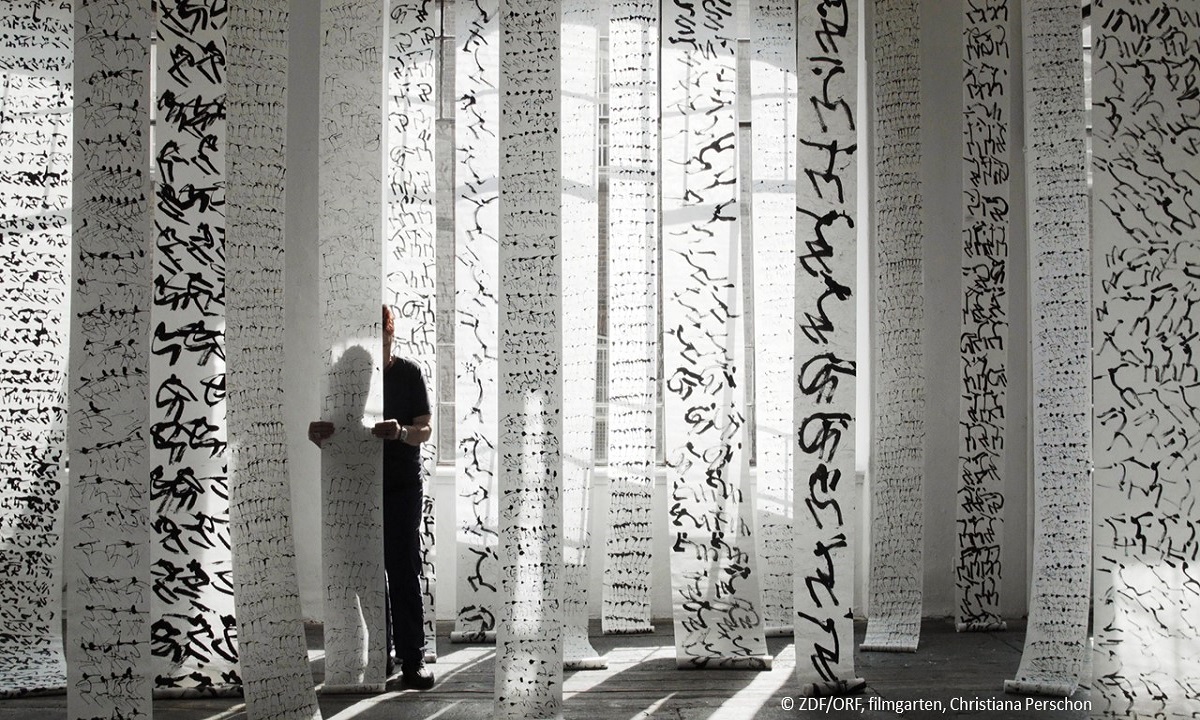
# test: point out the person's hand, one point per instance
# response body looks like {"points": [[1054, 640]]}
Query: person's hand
{"points": [[386, 430], [320, 431]]}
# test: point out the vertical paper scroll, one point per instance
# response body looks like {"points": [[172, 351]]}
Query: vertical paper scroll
{"points": [[351, 218], [529, 647], [477, 70], [580, 188], [632, 311], [1146, 656], [35, 209], [773, 112], [717, 602], [274, 655], [1056, 635], [826, 270], [108, 536], [410, 284], [897, 508], [987, 72], [195, 632]]}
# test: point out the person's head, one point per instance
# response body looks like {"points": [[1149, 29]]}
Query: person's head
{"points": [[389, 331]]}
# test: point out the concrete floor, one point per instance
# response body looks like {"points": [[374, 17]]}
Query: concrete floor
{"points": [[642, 682]]}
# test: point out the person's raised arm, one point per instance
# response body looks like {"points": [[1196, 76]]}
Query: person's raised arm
{"points": [[420, 430]]}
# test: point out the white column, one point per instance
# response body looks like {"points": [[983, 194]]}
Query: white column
{"points": [[825, 255], [108, 595], [986, 170], [897, 506], [351, 297], [1056, 634], [1146, 651], [633, 216], [35, 194], [477, 232], [717, 601], [529, 637], [276, 678], [194, 642]]}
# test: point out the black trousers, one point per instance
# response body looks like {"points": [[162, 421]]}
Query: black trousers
{"points": [[402, 501]]}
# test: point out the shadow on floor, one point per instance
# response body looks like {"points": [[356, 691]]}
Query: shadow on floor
{"points": [[641, 681]]}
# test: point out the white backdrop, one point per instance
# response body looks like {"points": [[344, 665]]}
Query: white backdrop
{"points": [[941, 109]]}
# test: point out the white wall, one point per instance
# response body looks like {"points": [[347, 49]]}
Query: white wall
{"points": [[941, 32], [942, 187], [303, 364]]}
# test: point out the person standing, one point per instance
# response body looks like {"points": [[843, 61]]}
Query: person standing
{"points": [[406, 424]]}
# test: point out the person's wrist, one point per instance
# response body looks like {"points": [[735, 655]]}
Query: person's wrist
{"points": [[403, 433]]}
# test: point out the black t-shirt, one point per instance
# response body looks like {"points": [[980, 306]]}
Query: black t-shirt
{"points": [[404, 398]]}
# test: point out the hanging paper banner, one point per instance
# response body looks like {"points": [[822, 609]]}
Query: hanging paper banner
{"points": [[825, 370], [632, 312], [351, 218], [529, 639], [277, 680], [1146, 656], [35, 220], [717, 601], [195, 631], [477, 72], [897, 506], [410, 276], [108, 534], [1056, 633], [987, 72]]}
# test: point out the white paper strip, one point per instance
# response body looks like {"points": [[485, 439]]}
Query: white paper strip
{"points": [[987, 72], [108, 536], [632, 312], [580, 188], [411, 231], [194, 634], [477, 72], [1056, 633], [35, 216], [1146, 661], [529, 639], [351, 218], [897, 508], [717, 602], [277, 681], [773, 115], [826, 271]]}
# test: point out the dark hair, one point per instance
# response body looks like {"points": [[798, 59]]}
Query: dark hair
{"points": [[389, 322]]}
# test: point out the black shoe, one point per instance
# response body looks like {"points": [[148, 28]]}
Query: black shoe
{"points": [[391, 666], [417, 676]]}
